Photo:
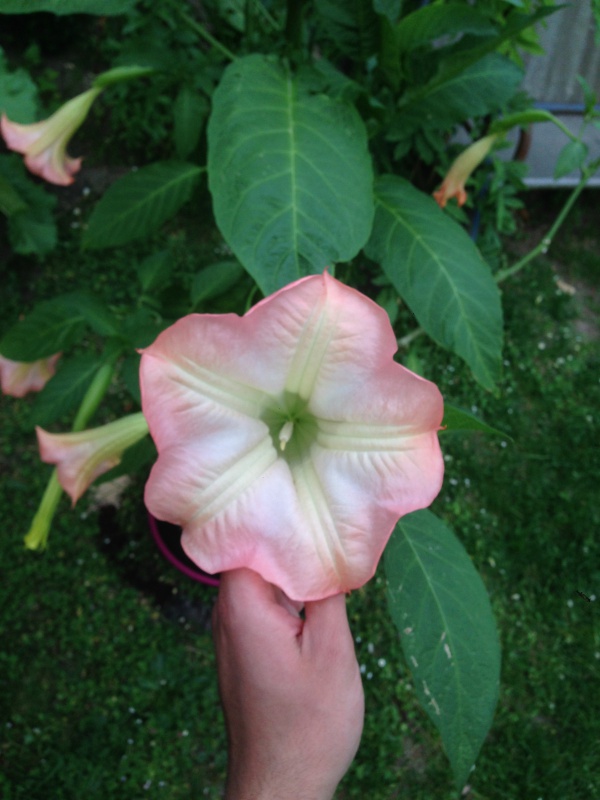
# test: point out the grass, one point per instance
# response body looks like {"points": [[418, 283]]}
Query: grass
{"points": [[107, 675]]}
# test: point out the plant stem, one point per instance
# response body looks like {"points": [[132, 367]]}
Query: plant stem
{"points": [[543, 246], [93, 396], [262, 10], [293, 23], [405, 341], [37, 535], [201, 31]]}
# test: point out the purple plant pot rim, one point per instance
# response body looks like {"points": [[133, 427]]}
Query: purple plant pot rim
{"points": [[193, 572]]}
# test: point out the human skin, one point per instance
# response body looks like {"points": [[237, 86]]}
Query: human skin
{"points": [[290, 688]]}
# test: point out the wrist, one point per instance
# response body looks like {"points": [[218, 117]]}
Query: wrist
{"points": [[273, 787]]}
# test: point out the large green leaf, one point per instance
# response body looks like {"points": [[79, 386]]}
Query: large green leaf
{"points": [[438, 271], [136, 205], [101, 7], [482, 88], [289, 172], [442, 611]]}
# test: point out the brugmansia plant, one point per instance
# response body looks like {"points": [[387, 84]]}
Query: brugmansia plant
{"points": [[289, 438]]}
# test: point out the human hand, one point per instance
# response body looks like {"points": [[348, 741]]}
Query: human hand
{"points": [[290, 688]]}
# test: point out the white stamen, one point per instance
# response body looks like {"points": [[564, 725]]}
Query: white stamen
{"points": [[285, 434]]}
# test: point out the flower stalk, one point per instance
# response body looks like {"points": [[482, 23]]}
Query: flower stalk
{"points": [[37, 536]]}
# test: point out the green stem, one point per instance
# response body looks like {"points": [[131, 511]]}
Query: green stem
{"points": [[93, 396], [202, 32], [37, 536], [405, 341], [267, 16], [543, 246], [293, 23]]}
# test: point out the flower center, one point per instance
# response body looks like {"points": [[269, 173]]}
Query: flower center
{"points": [[293, 428]]}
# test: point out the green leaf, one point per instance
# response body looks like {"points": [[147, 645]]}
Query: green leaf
{"points": [[136, 205], [482, 88], [141, 328], [389, 58], [33, 231], [54, 325], [432, 22], [31, 226], [471, 79], [190, 112], [455, 59], [101, 7], [442, 610], [49, 328], [459, 419], [11, 201], [439, 273], [352, 26], [130, 375], [18, 95], [322, 77], [154, 271], [589, 95], [570, 158], [65, 390], [289, 172], [388, 8], [215, 279], [92, 310]]}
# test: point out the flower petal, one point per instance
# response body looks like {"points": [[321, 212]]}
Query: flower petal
{"points": [[20, 138], [53, 166], [460, 170], [18, 378]]}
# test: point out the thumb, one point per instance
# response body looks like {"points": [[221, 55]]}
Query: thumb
{"points": [[326, 623]]}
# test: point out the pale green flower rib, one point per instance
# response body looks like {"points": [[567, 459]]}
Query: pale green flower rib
{"points": [[220, 389], [234, 481], [366, 438], [329, 545], [312, 346]]}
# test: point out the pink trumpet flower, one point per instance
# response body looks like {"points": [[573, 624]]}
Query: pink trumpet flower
{"points": [[453, 184], [289, 440], [17, 378], [44, 143], [81, 457]]}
